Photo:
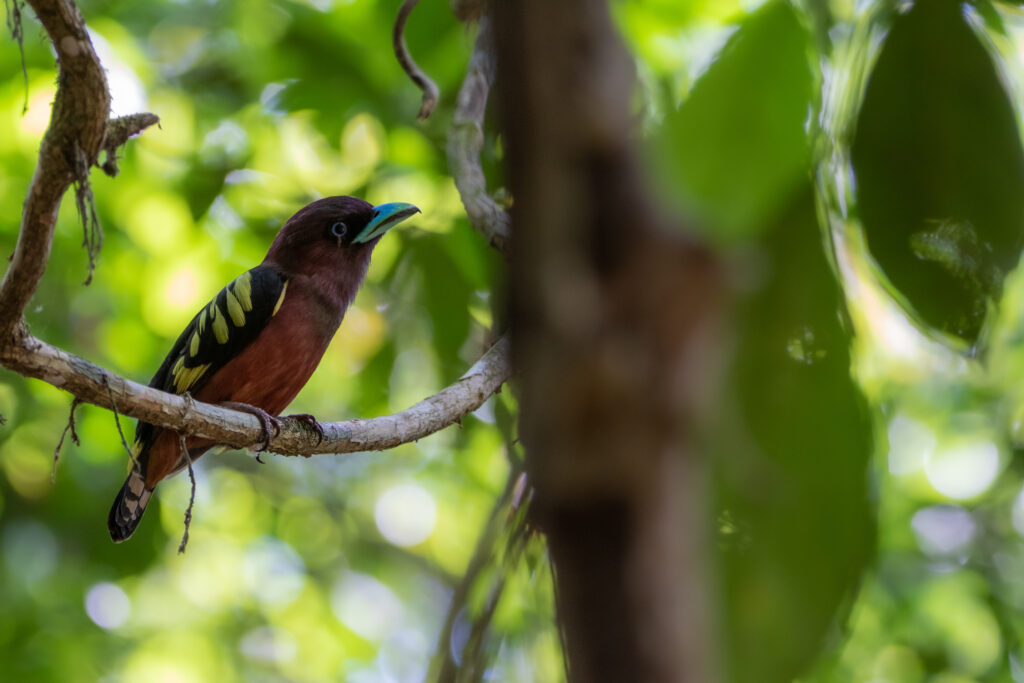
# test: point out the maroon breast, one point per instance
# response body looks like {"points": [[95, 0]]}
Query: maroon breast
{"points": [[273, 369]]}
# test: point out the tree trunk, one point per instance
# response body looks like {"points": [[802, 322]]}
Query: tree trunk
{"points": [[614, 330]]}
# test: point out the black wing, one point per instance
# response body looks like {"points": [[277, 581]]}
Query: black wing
{"points": [[218, 333]]}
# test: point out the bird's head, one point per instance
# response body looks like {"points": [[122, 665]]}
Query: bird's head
{"points": [[334, 236]]}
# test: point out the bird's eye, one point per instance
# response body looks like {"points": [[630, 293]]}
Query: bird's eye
{"points": [[339, 230]]}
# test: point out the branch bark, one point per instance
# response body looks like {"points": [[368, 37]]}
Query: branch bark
{"points": [[118, 132], [92, 384], [78, 131], [430, 90], [614, 335], [466, 139]]}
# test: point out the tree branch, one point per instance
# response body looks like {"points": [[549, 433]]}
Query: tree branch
{"points": [[77, 127], [421, 79], [466, 139], [92, 384]]}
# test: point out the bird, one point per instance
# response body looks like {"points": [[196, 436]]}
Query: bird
{"points": [[257, 342]]}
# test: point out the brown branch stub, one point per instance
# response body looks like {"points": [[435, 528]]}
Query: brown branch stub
{"points": [[32, 357], [118, 132], [431, 93], [466, 140], [77, 127], [124, 127]]}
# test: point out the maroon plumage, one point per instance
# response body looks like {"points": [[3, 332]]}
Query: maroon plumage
{"points": [[256, 344]]}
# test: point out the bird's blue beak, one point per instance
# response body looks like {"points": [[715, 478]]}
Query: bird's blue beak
{"points": [[385, 217]]}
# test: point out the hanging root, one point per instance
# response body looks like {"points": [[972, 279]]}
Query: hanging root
{"points": [[117, 133], [192, 497], [17, 30], [70, 427], [86, 203], [421, 79]]}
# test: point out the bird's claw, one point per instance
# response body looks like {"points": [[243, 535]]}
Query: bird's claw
{"points": [[266, 422], [312, 423]]}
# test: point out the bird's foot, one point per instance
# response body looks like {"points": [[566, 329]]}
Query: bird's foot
{"points": [[266, 422], [312, 423]]}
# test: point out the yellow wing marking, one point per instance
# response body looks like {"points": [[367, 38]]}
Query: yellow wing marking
{"points": [[235, 309], [220, 325], [202, 321], [185, 377], [193, 345], [135, 453], [280, 299], [242, 287]]}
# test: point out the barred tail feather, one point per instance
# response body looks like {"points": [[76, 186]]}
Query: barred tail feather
{"points": [[128, 507]]}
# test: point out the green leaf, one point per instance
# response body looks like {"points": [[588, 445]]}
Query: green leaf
{"points": [[736, 149], [795, 522], [939, 169]]}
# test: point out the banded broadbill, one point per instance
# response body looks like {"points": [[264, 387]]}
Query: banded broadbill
{"points": [[256, 344]]}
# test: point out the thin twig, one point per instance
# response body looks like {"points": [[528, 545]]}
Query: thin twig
{"points": [[445, 665], [466, 140], [17, 30], [117, 421], [192, 497], [517, 534], [430, 90], [70, 426]]}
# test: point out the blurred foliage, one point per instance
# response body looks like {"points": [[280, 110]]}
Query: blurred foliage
{"points": [[791, 431], [743, 128], [906, 115], [910, 123], [794, 437]]}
